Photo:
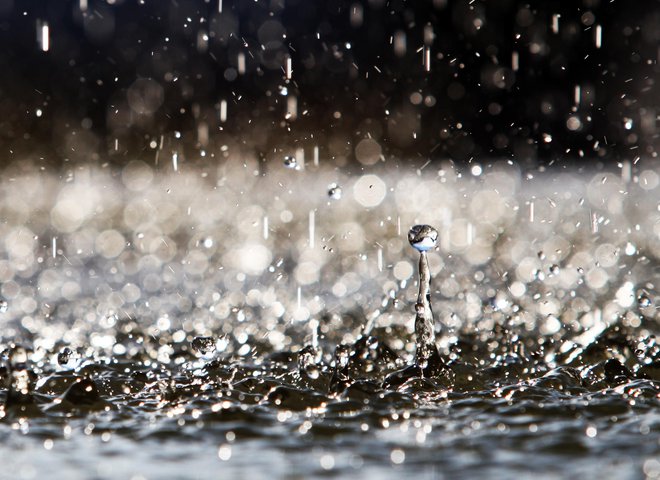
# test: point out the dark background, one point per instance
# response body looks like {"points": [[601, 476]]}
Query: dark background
{"points": [[123, 76]]}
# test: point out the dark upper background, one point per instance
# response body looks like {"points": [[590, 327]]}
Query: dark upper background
{"points": [[120, 79]]}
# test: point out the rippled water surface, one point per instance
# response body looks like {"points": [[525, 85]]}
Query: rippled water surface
{"points": [[257, 320]]}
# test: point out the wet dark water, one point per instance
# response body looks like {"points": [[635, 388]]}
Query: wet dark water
{"points": [[178, 325]]}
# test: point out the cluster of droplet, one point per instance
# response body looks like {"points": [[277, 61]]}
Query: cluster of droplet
{"points": [[192, 253], [301, 302]]}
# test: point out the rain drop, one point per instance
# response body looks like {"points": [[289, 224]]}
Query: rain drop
{"points": [[644, 301], [334, 191], [64, 356], [423, 237], [290, 162]]}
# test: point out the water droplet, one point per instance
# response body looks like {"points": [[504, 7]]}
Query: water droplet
{"points": [[290, 162], [3, 306], [423, 237], [334, 191], [554, 269], [64, 356], [541, 255], [580, 270], [644, 301], [631, 249], [203, 345]]}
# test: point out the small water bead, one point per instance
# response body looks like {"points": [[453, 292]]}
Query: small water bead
{"points": [[554, 269], [4, 306], [290, 162], [334, 191], [644, 301], [64, 356], [203, 345], [423, 237]]}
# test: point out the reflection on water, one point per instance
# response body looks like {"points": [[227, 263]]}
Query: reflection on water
{"points": [[248, 317]]}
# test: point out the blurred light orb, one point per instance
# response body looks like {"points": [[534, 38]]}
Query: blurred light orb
{"points": [[369, 191], [137, 175], [110, 243], [368, 151], [145, 96]]}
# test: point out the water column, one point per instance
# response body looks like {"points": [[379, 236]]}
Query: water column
{"points": [[424, 238]]}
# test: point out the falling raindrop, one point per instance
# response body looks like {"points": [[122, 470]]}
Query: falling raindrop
{"points": [[644, 301], [334, 191], [290, 162]]}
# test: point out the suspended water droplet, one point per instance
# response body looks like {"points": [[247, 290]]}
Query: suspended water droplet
{"points": [[554, 269], [334, 191], [290, 162], [423, 237], [644, 301], [64, 356], [630, 249], [541, 255], [4, 306], [203, 345]]}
